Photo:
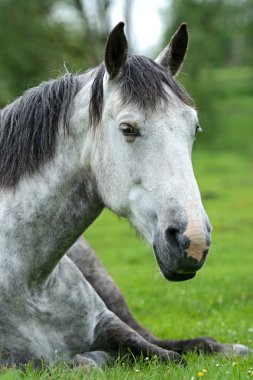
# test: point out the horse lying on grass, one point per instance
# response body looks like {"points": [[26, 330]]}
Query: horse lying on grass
{"points": [[118, 136]]}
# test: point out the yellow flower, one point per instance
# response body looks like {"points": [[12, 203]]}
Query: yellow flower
{"points": [[200, 374]]}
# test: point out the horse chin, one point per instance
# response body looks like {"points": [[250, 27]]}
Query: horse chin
{"points": [[170, 275], [176, 277]]}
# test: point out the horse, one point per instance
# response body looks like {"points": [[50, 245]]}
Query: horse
{"points": [[118, 136]]}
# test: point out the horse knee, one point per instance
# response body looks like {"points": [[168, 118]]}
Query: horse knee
{"points": [[19, 360]]}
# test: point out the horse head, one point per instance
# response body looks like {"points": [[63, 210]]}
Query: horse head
{"points": [[146, 126]]}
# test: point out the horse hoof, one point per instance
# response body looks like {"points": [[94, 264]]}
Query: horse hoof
{"points": [[236, 349], [242, 350], [176, 358]]}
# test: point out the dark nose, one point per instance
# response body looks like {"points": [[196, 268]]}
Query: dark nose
{"points": [[178, 244]]}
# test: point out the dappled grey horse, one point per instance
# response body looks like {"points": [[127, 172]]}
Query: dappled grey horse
{"points": [[118, 136]]}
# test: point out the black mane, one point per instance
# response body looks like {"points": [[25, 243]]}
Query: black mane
{"points": [[29, 127], [141, 83]]}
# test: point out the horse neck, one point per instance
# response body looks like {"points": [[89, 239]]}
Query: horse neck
{"points": [[46, 213]]}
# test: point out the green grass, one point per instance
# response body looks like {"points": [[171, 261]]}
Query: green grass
{"points": [[213, 368]]}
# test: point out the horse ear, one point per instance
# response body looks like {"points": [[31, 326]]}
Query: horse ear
{"points": [[116, 50], [173, 55]]}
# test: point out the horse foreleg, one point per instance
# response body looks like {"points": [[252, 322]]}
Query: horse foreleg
{"points": [[101, 281], [113, 335], [95, 273]]}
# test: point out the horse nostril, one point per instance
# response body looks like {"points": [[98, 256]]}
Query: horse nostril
{"points": [[171, 237], [177, 241]]}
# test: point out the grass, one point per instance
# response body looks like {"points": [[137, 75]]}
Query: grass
{"points": [[198, 367]]}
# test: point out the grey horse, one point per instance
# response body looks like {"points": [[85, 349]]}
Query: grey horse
{"points": [[118, 136]]}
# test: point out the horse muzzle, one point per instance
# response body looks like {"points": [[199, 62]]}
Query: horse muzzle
{"points": [[179, 257]]}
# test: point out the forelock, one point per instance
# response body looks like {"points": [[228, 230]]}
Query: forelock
{"points": [[142, 83]]}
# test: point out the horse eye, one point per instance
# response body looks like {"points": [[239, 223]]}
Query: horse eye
{"points": [[198, 129], [129, 130]]}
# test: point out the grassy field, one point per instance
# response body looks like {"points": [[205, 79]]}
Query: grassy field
{"points": [[218, 302]]}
